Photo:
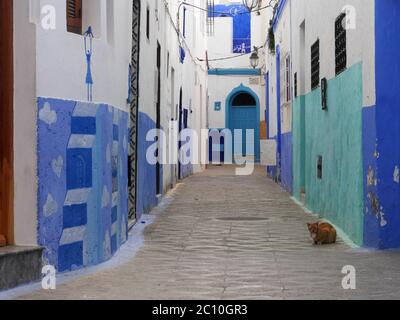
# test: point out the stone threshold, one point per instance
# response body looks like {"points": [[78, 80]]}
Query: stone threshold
{"points": [[19, 265]]}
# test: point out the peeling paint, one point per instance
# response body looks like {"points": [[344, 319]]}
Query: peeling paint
{"points": [[371, 179], [382, 218], [374, 203], [396, 175], [376, 210]]}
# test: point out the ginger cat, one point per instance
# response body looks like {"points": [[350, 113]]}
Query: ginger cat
{"points": [[322, 233]]}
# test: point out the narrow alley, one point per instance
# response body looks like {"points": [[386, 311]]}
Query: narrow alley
{"points": [[228, 237], [129, 131]]}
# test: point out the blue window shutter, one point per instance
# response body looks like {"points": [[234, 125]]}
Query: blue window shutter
{"points": [[182, 54]]}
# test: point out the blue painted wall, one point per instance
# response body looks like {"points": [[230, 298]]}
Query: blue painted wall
{"points": [[146, 173], [387, 117], [82, 182], [241, 26], [372, 220]]}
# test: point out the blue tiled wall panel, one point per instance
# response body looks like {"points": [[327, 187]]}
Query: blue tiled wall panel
{"points": [[83, 125], [75, 173], [79, 167], [74, 216], [70, 256]]}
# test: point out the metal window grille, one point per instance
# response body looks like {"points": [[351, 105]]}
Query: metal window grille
{"points": [[210, 17], [340, 44], [288, 94], [315, 65]]}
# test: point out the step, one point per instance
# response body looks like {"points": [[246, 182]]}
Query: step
{"points": [[19, 265]]}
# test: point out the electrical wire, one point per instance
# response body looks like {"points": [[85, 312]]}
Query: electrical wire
{"points": [[181, 38], [270, 5], [232, 57]]}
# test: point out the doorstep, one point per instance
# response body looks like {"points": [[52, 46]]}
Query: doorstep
{"points": [[19, 265]]}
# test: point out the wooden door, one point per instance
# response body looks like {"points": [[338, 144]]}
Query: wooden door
{"points": [[6, 121]]}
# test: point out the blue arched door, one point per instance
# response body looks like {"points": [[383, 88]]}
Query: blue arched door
{"points": [[244, 115]]}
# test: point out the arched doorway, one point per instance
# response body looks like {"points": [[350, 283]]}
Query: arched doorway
{"points": [[243, 113]]}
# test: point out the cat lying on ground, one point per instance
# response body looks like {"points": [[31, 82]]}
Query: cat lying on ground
{"points": [[322, 233]]}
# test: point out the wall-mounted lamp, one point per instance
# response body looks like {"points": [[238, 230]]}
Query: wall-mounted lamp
{"points": [[254, 58]]}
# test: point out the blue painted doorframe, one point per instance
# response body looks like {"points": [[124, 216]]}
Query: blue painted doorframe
{"points": [[229, 118]]}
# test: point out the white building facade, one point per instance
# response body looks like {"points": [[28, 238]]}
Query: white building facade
{"points": [[237, 89], [172, 91]]}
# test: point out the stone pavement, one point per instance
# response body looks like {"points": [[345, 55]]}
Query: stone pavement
{"points": [[235, 237]]}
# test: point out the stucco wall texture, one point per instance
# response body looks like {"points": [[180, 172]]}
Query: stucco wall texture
{"points": [[82, 182], [382, 175], [336, 135]]}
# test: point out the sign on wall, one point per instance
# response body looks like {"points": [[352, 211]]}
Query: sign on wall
{"points": [[217, 106]]}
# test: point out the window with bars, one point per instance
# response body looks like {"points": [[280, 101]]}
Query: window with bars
{"points": [[340, 44], [74, 16], [319, 167], [315, 65], [287, 77], [148, 23]]}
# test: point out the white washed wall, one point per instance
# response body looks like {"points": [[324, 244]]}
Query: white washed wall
{"points": [[61, 61]]}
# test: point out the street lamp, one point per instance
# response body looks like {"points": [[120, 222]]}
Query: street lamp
{"points": [[254, 58]]}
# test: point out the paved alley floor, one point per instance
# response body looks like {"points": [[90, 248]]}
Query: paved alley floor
{"points": [[235, 237]]}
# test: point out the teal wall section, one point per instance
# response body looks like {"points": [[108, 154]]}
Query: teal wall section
{"points": [[336, 135], [299, 144]]}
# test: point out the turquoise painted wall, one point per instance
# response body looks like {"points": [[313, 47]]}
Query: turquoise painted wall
{"points": [[298, 138], [336, 135]]}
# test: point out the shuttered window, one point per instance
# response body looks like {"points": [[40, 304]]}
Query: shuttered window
{"points": [[340, 44], [74, 16], [315, 65], [287, 80]]}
